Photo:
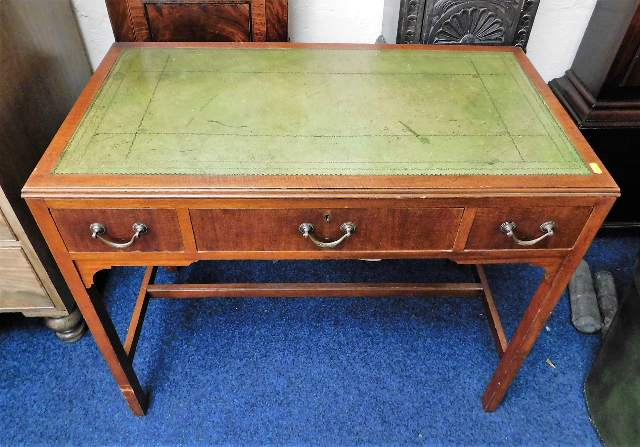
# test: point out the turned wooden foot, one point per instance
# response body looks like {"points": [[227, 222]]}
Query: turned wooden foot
{"points": [[68, 329]]}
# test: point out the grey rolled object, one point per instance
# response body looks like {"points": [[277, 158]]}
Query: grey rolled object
{"points": [[585, 313], [607, 298]]}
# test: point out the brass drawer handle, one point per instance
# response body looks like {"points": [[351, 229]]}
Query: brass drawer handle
{"points": [[97, 230], [307, 229], [547, 228]]}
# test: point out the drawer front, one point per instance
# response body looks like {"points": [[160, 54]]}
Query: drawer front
{"points": [[20, 288], [163, 229], [377, 229], [486, 234], [5, 231]]}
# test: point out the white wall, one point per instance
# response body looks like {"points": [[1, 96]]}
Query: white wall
{"points": [[95, 28], [556, 33], [354, 21], [390, 20]]}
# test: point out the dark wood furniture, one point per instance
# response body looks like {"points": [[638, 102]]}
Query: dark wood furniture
{"points": [[618, 150], [44, 68], [139, 174], [485, 22], [601, 90], [199, 20]]}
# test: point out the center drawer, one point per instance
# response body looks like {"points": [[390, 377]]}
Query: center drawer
{"points": [[376, 229]]}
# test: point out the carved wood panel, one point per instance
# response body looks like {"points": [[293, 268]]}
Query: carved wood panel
{"points": [[485, 22]]}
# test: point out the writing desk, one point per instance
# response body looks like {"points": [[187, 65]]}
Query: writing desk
{"points": [[176, 153]]}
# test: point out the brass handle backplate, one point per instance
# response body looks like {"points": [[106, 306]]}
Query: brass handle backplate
{"points": [[509, 228], [307, 229], [98, 231]]}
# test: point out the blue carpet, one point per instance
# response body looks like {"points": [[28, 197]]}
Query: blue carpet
{"points": [[335, 372]]}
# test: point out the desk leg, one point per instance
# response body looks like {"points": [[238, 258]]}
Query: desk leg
{"points": [[557, 274], [94, 312], [108, 341], [537, 313]]}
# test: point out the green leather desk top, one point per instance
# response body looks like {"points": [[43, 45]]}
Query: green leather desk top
{"points": [[225, 111]]}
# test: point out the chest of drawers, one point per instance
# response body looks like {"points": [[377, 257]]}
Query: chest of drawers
{"points": [[44, 68]]}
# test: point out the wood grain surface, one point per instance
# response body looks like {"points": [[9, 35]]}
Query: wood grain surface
{"points": [[277, 20], [208, 22], [164, 232], [299, 290], [277, 229], [485, 232], [199, 20]]}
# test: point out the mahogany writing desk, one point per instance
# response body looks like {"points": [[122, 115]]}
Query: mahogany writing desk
{"points": [[179, 153]]}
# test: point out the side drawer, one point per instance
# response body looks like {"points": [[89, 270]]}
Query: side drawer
{"points": [[20, 288], [377, 229], [163, 229], [486, 233]]}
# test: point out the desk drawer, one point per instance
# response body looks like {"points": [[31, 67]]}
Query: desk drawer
{"points": [[163, 229], [377, 229], [486, 231]]}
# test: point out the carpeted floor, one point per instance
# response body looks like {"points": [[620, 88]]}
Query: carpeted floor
{"points": [[334, 372]]}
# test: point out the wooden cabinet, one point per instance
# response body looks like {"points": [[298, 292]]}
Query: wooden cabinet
{"points": [[199, 20], [602, 93], [44, 67], [602, 88]]}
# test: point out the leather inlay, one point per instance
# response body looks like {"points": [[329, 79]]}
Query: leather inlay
{"points": [[222, 111]]}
